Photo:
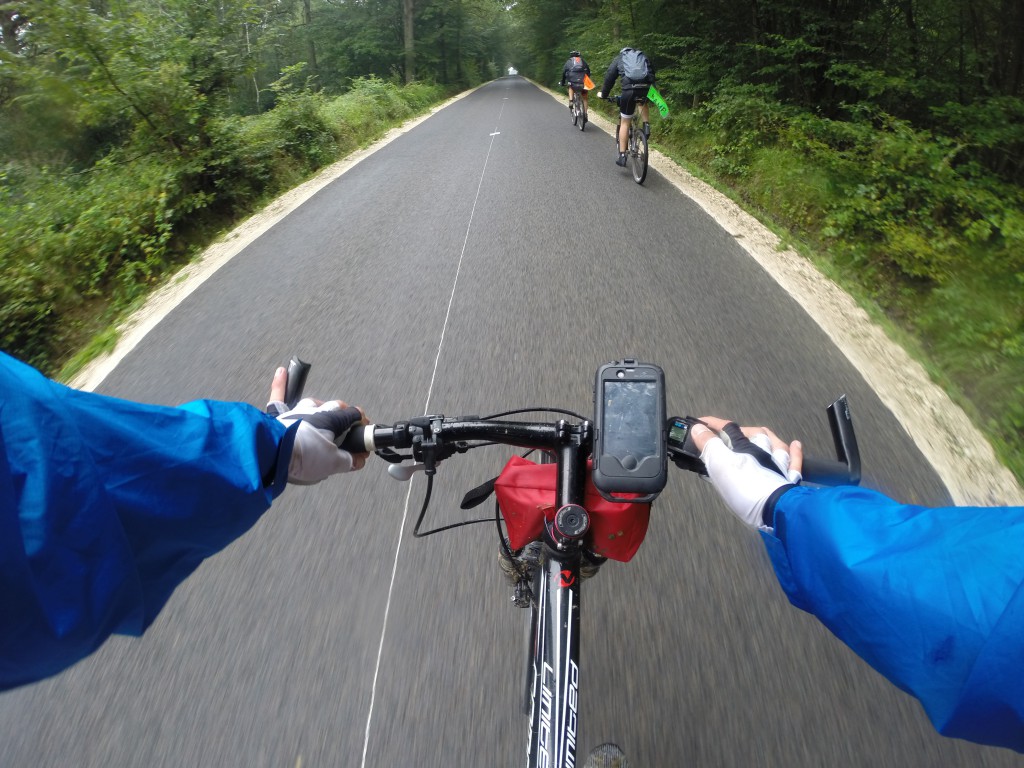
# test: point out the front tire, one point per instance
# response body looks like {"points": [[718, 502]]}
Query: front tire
{"points": [[606, 756]]}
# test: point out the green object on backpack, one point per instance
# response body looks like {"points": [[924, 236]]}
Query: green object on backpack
{"points": [[656, 100]]}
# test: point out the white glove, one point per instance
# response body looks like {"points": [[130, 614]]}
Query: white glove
{"points": [[600, 95], [315, 454], [746, 478]]}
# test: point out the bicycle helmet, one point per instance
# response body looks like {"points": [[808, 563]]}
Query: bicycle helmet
{"points": [[574, 53]]}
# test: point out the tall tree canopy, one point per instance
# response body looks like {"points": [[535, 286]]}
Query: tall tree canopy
{"points": [[80, 75], [951, 65]]}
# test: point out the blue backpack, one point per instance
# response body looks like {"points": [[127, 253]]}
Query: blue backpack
{"points": [[635, 66]]}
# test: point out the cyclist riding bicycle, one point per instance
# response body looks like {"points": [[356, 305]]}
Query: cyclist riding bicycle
{"points": [[107, 505], [573, 72], [638, 75]]}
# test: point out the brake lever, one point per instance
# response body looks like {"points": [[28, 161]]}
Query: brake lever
{"points": [[401, 471], [390, 456], [404, 472]]}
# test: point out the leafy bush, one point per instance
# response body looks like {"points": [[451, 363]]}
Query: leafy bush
{"points": [[77, 243], [908, 215], [992, 132], [743, 118]]}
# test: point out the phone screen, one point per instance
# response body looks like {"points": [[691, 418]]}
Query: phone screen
{"points": [[631, 426]]}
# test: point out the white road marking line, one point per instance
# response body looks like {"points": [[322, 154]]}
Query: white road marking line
{"points": [[426, 409]]}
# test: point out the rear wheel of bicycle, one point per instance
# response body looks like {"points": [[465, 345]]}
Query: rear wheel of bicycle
{"points": [[638, 156], [575, 109], [583, 115]]}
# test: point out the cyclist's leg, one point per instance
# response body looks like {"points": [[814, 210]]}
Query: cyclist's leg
{"points": [[623, 136], [627, 106]]}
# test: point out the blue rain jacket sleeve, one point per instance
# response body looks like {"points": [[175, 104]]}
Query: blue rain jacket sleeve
{"points": [[107, 505], [931, 598]]}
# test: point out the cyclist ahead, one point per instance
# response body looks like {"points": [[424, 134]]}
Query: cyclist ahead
{"points": [[637, 73], [573, 72]]}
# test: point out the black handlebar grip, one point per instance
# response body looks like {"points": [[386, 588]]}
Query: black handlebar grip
{"points": [[845, 439], [825, 472], [355, 439], [297, 373]]}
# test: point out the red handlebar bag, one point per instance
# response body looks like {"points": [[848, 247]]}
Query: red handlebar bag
{"points": [[526, 494]]}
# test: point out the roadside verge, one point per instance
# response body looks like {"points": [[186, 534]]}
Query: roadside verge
{"points": [[958, 451]]}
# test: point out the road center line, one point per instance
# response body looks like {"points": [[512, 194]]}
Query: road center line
{"points": [[426, 409]]}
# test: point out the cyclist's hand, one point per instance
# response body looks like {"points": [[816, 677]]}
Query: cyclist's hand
{"points": [[600, 95], [315, 454], [746, 464]]}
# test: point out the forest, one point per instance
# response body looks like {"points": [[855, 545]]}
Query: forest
{"points": [[884, 139]]}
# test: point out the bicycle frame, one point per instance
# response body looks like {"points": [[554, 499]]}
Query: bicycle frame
{"points": [[554, 675], [554, 668], [635, 140], [554, 635]]}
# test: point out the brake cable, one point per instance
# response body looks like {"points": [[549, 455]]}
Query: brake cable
{"points": [[497, 514]]}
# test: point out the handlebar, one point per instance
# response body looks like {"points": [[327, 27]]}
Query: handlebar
{"points": [[432, 439], [435, 438]]}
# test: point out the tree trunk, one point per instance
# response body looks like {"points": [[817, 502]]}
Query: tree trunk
{"points": [[307, 21], [410, 51], [458, 42]]}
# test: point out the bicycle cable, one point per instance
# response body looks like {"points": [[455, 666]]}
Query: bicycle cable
{"points": [[423, 511], [562, 411], [497, 515]]}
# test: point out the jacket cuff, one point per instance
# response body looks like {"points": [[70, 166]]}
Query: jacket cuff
{"points": [[768, 515], [277, 476]]}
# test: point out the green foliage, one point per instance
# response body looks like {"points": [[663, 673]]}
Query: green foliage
{"points": [[930, 236], [890, 136], [124, 144], [743, 118], [991, 131], [75, 243], [296, 121]]}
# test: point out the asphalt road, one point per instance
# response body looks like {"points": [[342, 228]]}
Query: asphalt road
{"points": [[492, 257]]}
